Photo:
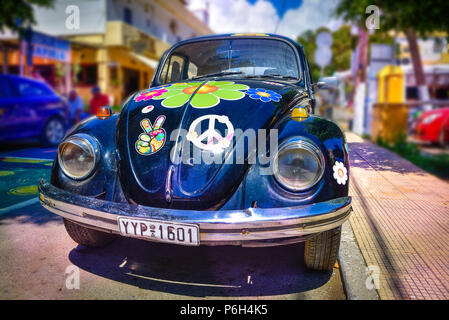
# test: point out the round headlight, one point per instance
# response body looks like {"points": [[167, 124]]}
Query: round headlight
{"points": [[298, 165], [78, 156]]}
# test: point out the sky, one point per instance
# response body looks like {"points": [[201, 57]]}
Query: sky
{"points": [[286, 17]]}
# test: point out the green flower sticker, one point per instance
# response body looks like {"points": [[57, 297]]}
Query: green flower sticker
{"points": [[207, 96]]}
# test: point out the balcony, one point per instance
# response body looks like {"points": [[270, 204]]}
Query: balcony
{"points": [[119, 33]]}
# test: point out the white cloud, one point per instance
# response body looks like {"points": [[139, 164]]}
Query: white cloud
{"points": [[241, 16], [312, 14]]}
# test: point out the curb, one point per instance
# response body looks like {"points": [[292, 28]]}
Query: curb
{"points": [[353, 267]]}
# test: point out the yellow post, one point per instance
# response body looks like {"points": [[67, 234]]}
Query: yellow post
{"points": [[391, 85], [390, 113]]}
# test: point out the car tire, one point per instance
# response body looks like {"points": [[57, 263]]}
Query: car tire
{"points": [[53, 131], [321, 251], [86, 236]]}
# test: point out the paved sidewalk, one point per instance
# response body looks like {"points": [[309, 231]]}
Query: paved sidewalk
{"points": [[400, 221]]}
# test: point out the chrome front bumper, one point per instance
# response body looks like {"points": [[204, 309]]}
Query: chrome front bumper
{"points": [[248, 227]]}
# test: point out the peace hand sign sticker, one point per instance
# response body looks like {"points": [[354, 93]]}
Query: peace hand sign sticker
{"points": [[153, 139], [211, 139]]}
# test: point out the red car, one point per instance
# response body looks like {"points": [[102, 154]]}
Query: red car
{"points": [[433, 126]]}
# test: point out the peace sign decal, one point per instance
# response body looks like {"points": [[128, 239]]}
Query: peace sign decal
{"points": [[211, 139], [153, 137]]}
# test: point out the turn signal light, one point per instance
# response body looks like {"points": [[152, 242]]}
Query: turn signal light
{"points": [[104, 113], [300, 113]]}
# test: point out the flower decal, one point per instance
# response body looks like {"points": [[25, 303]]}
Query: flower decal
{"points": [[151, 93], [340, 172], [208, 95], [263, 95]]}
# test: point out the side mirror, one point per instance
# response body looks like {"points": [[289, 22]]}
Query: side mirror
{"points": [[326, 83]]}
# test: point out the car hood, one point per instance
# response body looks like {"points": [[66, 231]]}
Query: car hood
{"points": [[154, 119]]}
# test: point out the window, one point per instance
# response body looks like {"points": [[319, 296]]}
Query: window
{"points": [[32, 89], [411, 93], [128, 15], [88, 75], [175, 69], [438, 45], [245, 57], [192, 71]]}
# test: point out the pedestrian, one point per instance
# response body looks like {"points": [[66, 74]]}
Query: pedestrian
{"points": [[98, 100], [35, 74], [76, 107]]}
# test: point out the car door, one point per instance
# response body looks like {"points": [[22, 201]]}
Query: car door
{"points": [[38, 104], [25, 122], [9, 105]]}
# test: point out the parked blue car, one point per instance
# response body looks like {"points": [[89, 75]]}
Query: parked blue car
{"points": [[30, 109]]}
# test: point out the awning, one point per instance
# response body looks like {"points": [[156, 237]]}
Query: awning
{"points": [[148, 61]]}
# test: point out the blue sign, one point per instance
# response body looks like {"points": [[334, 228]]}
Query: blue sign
{"points": [[49, 47]]}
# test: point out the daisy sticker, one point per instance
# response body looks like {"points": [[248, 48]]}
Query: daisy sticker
{"points": [[263, 95], [151, 93], [340, 172]]}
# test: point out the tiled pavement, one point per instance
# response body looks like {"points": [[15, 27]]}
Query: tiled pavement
{"points": [[400, 221]]}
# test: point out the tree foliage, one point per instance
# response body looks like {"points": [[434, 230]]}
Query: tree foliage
{"points": [[421, 16], [18, 14]]}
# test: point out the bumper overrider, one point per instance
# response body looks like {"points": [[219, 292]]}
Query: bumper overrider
{"points": [[246, 227]]}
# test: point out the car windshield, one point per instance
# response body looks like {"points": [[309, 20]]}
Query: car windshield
{"points": [[231, 57]]}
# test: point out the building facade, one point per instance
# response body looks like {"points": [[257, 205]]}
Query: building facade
{"points": [[434, 52], [115, 44]]}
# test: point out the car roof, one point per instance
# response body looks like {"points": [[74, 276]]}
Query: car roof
{"points": [[16, 77], [247, 35], [20, 78]]}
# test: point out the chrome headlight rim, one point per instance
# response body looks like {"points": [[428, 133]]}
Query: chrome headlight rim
{"points": [[295, 143], [85, 142]]}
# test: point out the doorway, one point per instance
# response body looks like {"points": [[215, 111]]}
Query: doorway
{"points": [[131, 79]]}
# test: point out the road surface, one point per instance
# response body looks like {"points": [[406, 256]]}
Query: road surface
{"points": [[40, 261]]}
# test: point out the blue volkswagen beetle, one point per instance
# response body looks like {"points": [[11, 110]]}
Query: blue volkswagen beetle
{"points": [[221, 149]]}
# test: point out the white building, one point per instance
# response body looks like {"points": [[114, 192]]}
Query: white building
{"points": [[116, 44]]}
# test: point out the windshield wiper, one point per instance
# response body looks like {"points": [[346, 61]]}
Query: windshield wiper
{"points": [[216, 74], [271, 76]]}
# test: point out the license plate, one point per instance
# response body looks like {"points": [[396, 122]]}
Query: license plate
{"points": [[171, 232]]}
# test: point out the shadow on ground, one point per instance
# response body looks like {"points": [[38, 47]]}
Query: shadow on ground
{"points": [[380, 159], [202, 271], [31, 214]]}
